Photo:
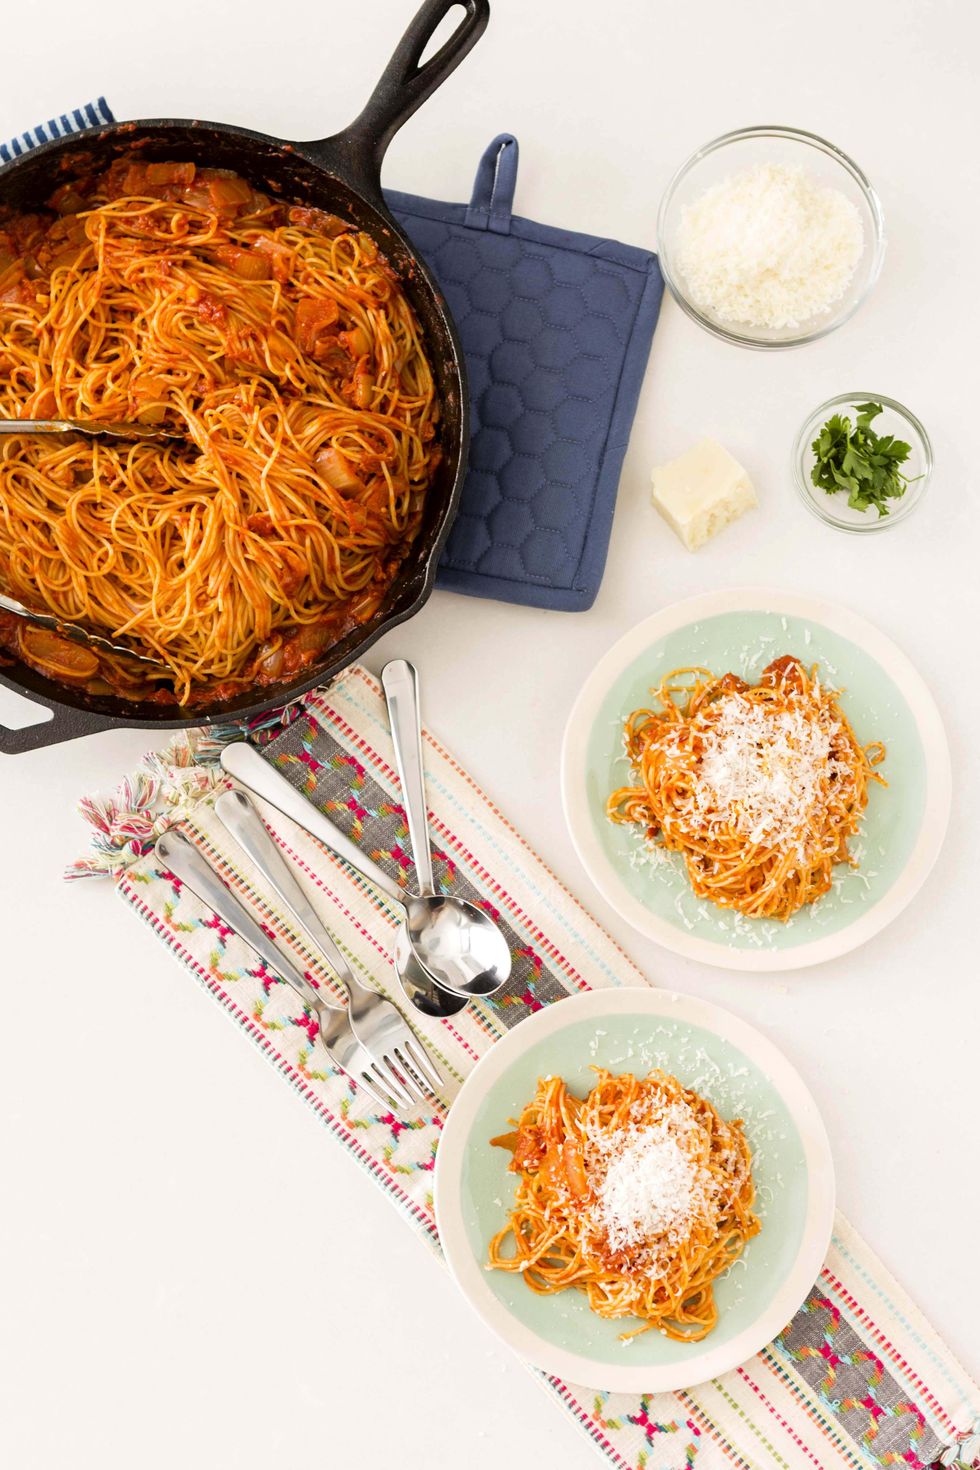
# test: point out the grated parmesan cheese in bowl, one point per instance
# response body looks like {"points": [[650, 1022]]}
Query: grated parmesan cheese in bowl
{"points": [[770, 237], [769, 247]]}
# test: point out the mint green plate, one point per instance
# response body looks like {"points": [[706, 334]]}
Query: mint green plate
{"points": [[883, 697], [744, 1076]]}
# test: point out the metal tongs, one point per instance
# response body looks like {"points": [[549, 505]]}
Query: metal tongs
{"points": [[75, 632], [93, 428]]}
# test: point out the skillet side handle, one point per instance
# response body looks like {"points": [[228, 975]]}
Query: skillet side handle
{"points": [[402, 88], [65, 724]]}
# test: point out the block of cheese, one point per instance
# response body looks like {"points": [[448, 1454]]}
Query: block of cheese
{"points": [[701, 491]]}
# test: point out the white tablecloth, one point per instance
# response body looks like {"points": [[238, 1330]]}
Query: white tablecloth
{"points": [[127, 1151]]}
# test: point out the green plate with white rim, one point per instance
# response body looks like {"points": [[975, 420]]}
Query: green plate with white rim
{"points": [[744, 1076], [884, 698]]}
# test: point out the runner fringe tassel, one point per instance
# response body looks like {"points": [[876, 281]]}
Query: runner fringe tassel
{"points": [[162, 789], [964, 1454]]}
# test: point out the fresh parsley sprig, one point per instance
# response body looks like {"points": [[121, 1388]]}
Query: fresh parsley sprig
{"points": [[860, 461]]}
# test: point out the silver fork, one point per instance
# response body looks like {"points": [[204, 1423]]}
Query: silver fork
{"points": [[335, 1034], [377, 1023]]}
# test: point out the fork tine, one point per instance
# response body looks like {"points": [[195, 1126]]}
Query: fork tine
{"points": [[383, 1074], [363, 1085], [385, 1097], [408, 1056], [422, 1062], [410, 1072], [414, 1084], [407, 1061]]}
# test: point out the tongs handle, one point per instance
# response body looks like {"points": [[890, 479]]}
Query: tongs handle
{"points": [[93, 428]]}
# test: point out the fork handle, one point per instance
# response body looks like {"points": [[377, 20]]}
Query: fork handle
{"points": [[242, 820], [190, 865], [250, 832], [243, 761]]}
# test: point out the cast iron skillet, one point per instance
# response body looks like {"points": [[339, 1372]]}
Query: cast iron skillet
{"points": [[341, 174]]}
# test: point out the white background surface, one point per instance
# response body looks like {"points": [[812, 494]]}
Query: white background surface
{"points": [[191, 1273]]}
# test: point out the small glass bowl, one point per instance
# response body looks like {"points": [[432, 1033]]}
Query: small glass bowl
{"points": [[740, 150], [834, 509]]}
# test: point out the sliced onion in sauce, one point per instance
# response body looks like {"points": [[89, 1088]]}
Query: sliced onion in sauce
{"points": [[170, 173], [57, 656], [363, 389], [227, 189], [270, 659], [337, 471], [311, 638], [364, 607], [357, 342], [250, 265]]}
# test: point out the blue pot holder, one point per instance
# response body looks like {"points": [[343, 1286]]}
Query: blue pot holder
{"points": [[556, 328]]}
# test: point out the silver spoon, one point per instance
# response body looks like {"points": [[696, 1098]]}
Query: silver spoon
{"points": [[75, 632], [418, 985], [457, 943], [242, 761]]}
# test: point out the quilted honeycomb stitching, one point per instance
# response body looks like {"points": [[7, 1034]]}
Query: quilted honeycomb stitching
{"points": [[545, 330]]}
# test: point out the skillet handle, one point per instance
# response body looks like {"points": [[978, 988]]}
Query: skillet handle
{"points": [[401, 90], [65, 724]]}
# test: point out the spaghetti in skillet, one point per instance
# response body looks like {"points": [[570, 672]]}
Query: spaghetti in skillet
{"points": [[760, 787], [278, 341], [639, 1195]]}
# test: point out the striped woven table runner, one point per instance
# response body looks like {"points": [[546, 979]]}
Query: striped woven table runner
{"points": [[857, 1378]]}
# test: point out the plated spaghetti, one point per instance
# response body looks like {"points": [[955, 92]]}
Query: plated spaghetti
{"points": [[278, 342], [760, 787], [639, 1195]]}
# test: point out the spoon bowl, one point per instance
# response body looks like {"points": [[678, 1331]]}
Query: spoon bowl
{"points": [[418, 985], [458, 944]]}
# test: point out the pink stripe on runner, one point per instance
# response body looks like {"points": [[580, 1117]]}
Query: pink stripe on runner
{"points": [[283, 1064], [890, 1349], [779, 1418], [709, 1428], [587, 1419], [833, 1433]]}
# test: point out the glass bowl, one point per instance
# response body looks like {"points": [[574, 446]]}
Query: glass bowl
{"points": [[790, 147], [834, 509]]}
